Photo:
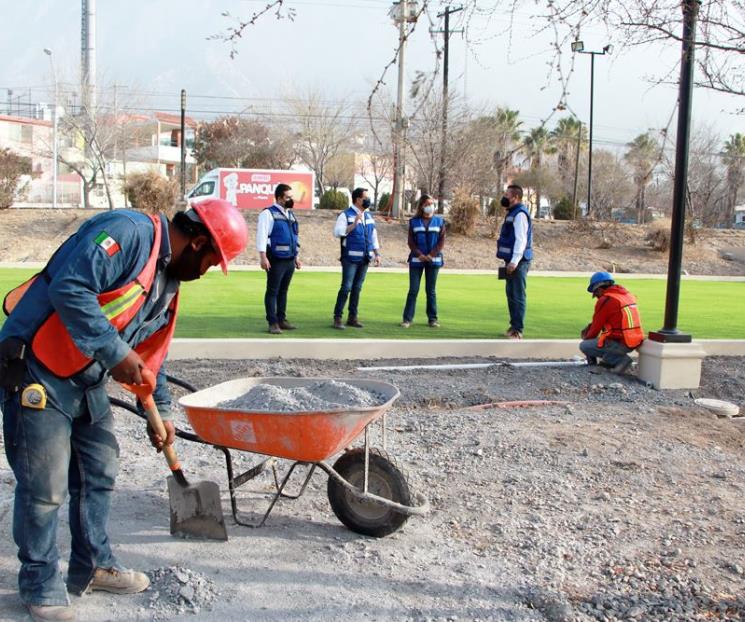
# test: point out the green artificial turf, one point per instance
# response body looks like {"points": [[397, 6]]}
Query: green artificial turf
{"points": [[470, 306]]}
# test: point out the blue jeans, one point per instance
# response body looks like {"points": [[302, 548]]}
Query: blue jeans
{"points": [[430, 281], [277, 283], [352, 278], [53, 455], [515, 287], [613, 352]]}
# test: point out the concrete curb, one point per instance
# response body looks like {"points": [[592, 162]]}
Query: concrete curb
{"points": [[338, 349], [38, 265]]}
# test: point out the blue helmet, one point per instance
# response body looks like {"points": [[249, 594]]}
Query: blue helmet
{"points": [[598, 279]]}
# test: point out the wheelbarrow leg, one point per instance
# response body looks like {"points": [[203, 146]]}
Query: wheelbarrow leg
{"points": [[280, 489], [236, 481]]}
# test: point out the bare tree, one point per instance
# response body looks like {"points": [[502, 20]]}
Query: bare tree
{"points": [[733, 157], [323, 130]]}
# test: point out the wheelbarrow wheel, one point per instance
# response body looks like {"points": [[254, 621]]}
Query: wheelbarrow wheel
{"points": [[385, 479]]}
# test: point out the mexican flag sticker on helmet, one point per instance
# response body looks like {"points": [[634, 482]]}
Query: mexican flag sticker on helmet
{"points": [[109, 244]]}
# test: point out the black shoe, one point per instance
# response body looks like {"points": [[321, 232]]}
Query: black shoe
{"points": [[354, 323], [338, 324], [285, 325], [274, 329]]}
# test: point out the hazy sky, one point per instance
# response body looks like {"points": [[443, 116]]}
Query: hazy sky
{"points": [[338, 46]]}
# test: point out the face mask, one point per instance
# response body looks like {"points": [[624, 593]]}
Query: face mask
{"points": [[289, 204], [366, 203], [429, 209], [504, 202]]}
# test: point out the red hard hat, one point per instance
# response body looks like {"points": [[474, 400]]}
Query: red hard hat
{"points": [[227, 228]]}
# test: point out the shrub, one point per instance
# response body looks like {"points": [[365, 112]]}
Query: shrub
{"points": [[658, 235], [564, 210], [12, 166], [464, 212], [383, 202], [335, 200], [151, 192]]}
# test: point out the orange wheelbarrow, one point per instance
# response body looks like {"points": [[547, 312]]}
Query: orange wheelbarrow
{"points": [[368, 491]]}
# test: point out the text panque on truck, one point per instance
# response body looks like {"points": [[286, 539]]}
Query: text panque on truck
{"points": [[248, 188]]}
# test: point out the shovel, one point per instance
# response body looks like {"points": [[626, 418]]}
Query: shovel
{"points": [[196, 510]]}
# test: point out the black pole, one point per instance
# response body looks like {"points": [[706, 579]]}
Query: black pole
{"points": [[183, 143], [669, 332], [589, 161], [443, 146]]}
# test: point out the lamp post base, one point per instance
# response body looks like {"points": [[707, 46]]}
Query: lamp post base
{"points": [[671, 365], [663, 336]]}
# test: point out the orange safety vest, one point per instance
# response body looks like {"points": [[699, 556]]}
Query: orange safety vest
{"points": [[631, 332], [55, 349]]}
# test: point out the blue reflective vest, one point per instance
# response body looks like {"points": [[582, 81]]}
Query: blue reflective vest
{"points": [[283, 238], [506, 241], [426, 235], [357, 246]]}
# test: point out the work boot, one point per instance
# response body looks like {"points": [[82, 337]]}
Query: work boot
{"points": [[622, 367], [338, 324], [513, 334], [53, 613], [592, 360], [274, 329], [354, 322], [285, 325], [405, 324], [118, 581], [434, 324]]}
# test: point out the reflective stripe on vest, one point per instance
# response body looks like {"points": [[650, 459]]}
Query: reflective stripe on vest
{"points": [[631, 332], [55, 349]]}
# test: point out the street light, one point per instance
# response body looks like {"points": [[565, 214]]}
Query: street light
{"points": [[48, 52], [579, 47]]}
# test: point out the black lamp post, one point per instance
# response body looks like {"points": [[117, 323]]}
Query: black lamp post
{"points": [[579, 46], [669, 333]]}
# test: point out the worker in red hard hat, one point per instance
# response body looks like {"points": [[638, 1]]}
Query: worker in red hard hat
{"points": [[105, 304], [616, 327]]}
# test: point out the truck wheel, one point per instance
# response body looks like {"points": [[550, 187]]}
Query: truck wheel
{"points": [[385, 479]]}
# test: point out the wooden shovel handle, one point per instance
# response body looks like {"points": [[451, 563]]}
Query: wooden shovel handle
{"points": [[153, 418]]}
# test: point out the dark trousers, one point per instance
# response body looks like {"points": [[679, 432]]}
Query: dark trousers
{"points": [[352, 278], [277, 283], [430, 281], [515, 287]]}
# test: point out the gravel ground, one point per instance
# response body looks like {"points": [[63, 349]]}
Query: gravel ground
{"points": [[624, 503]]}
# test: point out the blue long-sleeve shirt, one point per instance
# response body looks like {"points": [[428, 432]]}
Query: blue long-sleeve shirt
{"points": [[79, 271]]}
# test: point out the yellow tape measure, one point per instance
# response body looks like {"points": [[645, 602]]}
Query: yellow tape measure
{"points": [[34, 396]]}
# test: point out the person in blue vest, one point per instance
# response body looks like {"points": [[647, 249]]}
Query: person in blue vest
{"points": [[355, 227], [278, 243], [515, 247], [426, 239]]}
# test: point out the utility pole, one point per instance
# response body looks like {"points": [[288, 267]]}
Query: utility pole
{"points": [[183, 143], [401, 12], [443, 142]]}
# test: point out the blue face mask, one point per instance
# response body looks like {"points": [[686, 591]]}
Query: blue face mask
{"points": [[366, 203]]}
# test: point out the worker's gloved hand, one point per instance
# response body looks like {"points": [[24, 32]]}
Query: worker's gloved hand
{"points": [[127, 371], [157, 441]]}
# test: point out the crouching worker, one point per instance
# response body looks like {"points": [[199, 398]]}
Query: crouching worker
{"points": [[106, 303], [616, 327]]}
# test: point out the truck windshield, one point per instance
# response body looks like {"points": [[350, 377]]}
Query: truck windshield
{"points": [[203, 189]]}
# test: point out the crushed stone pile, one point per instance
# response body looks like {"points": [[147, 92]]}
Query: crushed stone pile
{"points": [[175, 590], [321, 395]]}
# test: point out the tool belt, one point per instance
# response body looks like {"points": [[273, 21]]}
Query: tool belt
{"points": [[12, 363]]}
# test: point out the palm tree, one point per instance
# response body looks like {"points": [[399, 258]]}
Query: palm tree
{"points": [[565, 136], [733, 157], [506, 124], [644, 155], [538, 143]]}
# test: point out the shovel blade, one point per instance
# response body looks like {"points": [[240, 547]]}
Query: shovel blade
{"points": [[196, 511]]}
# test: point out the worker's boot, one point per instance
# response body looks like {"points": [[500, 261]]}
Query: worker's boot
{"points": [[285, 325], [354, 323], [274, 329], [338, 324], [622, 367], [53, 613], [118, 581]]}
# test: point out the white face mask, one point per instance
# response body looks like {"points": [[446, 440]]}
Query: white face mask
{"points": [[429, 209]]}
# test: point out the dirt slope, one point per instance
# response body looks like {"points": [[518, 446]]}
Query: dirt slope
{"points": [[32, 235]]}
